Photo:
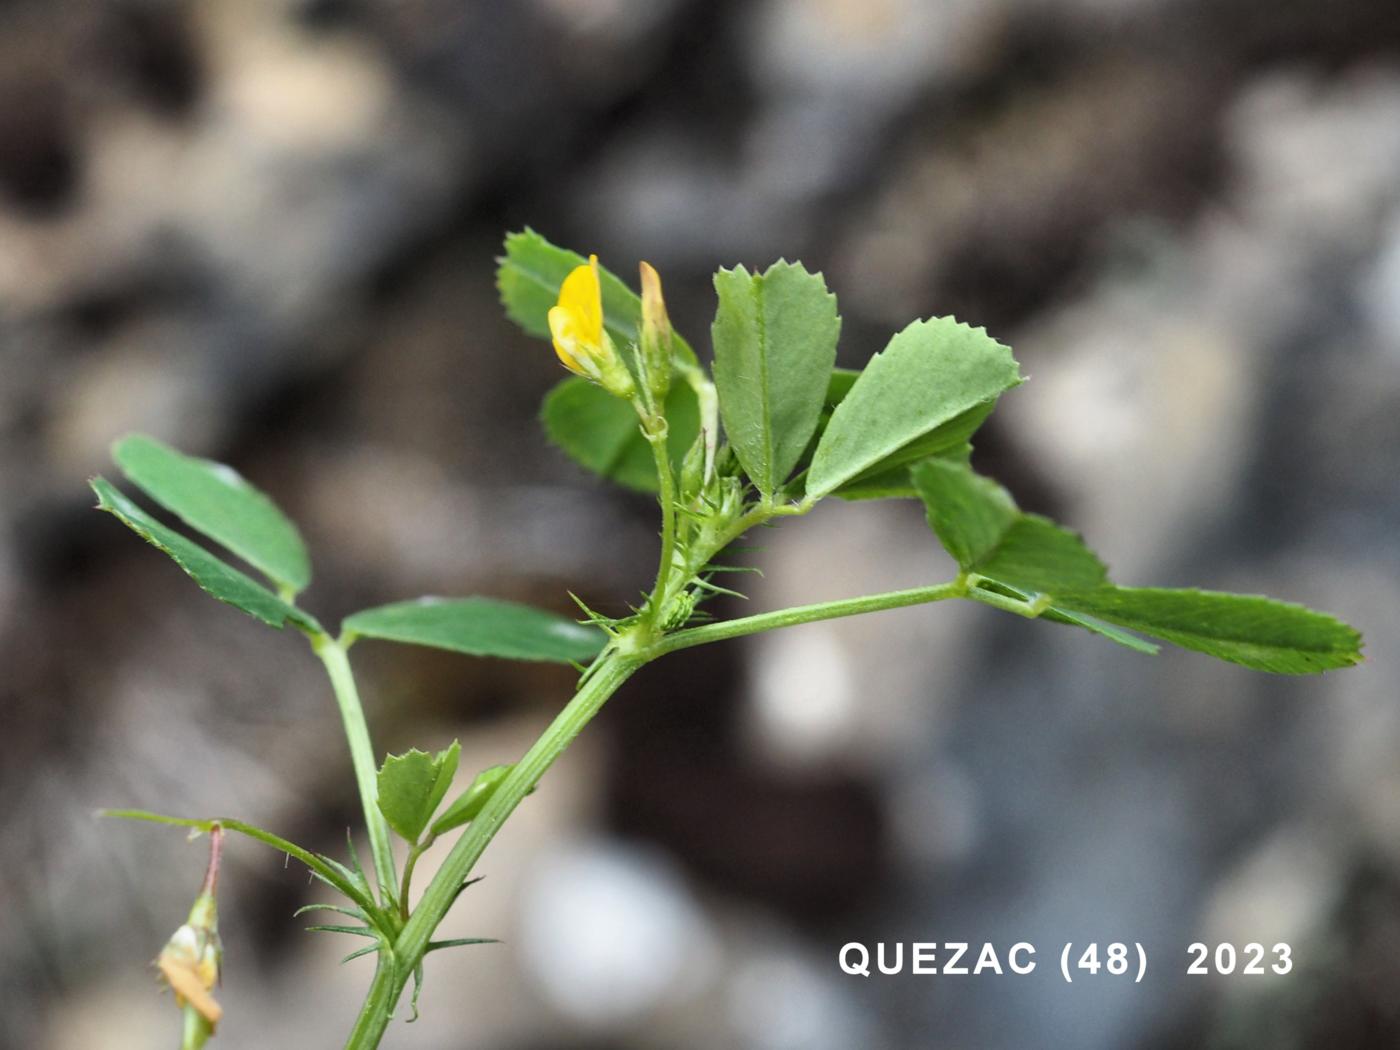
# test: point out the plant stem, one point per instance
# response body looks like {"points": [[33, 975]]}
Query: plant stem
{"points": [[408, 865], [378, 1010], [332, 654], [667, 495], [718, 632], [612, 670]]}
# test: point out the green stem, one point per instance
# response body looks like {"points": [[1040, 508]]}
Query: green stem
{"points": [[609, 674], [718, 632], [1030, 608], [667, 494], [408, 865], [332, 654], [378, 1010], [197, 1030]]}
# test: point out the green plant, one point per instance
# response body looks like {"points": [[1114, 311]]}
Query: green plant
{"points": [[643, 412]]}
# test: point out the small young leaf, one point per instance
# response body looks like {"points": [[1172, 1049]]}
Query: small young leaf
{"points": [[215, 500], [601, 433], [775, 344], [479, 627], [1244, 629], [412, 785], [930, 374], [530, 273], [216, 577], [470, 802]]}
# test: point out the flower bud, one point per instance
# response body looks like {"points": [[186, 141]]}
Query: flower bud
{"points": [[656, 336], [582, 343]]}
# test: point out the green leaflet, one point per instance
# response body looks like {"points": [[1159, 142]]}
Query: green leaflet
{"points": [[775, 344], [889, 479], [470, 802], [601, 433], [1031, 560], [1036, 555], [215, 576], [217, 501], [930, 374], [1245, 629], [412, 785], [479, 627], [528, 277], [969, 513]]}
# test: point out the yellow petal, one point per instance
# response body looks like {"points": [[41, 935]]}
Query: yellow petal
{"points": [[188, 987], [566, 343], [581, 294]]}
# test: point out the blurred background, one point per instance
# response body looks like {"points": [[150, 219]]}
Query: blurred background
{"points": [[264, 230]]}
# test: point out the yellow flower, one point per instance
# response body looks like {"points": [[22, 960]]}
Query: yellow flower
{"points": [[580, 340]]}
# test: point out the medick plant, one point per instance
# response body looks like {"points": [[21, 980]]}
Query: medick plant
{"points": [[774, 430]]}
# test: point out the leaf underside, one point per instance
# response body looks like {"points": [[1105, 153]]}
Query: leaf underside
{"points": [[217, 578], [931, 374], [214, 499], [479, 627]]}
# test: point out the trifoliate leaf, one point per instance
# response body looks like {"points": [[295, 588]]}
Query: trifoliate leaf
{"points": [[215, 576], [1032, 560], [479, 627], [412, 785], [217, 501], [602, 433], [930, 374], [775, 344]]}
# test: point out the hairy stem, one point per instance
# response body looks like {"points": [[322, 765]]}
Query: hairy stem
{"points": [[332, 654], [611, 671], [718, 632]]}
